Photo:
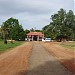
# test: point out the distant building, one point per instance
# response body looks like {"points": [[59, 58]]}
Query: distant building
{"points": [[35, 36]]}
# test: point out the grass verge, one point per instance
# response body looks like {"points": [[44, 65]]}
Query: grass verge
{"points": [[70, 45], [9, 45]]}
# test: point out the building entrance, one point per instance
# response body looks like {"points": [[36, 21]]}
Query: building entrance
{"points": [[35, 38]]}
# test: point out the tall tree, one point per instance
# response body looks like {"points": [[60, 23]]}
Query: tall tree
{"points": [[70, 22], [62, 25], [17, 32], [5, 31], [12, 29]]}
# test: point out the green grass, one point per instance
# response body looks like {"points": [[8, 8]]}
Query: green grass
{"points": [[70, 45], [5, 47]]}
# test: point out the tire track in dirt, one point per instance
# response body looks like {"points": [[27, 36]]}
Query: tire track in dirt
{"points": [[15, 62], [64, 55], [43, 63]]}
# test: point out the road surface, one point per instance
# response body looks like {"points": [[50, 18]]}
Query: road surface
{"points": [[15, 61], [42, 63]]}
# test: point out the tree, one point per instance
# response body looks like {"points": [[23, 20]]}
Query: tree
{"points": [[32, 30], [12, 29], [5, 31], [70, 22], [46, 31], [7, 26], [26, 32], [17, 32], [38, 30], [0, 33], [62, 25]]}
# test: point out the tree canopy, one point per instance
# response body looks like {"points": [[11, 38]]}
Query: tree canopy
{"points": [[62, 25], [12, 29]]}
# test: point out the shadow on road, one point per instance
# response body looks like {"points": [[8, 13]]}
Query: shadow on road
{"points": [[47, 69]]}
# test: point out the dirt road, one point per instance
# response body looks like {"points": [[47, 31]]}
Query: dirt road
{"points": [[15, 62], [64, 55], [42, 63]]}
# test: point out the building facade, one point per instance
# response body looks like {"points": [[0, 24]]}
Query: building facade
{"points": [[35, 36]]}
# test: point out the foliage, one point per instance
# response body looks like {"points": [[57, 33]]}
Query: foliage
{"points": [[62, 25], [12, 29], [70, 45], [26, 32], [17, 32], [32, 29], [38, 30], [5, 47], [35, 30]]}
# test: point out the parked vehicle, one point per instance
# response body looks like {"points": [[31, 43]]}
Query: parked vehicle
{"points": [[47, 39]]}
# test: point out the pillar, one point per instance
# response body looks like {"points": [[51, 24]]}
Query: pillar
{"points": [[27, 37], [32, 38], [38, 38], [42, 37]]}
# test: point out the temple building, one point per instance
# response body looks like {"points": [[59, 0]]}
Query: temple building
{"points": [[35, 36]]}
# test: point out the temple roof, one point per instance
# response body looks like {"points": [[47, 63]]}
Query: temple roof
{"points": [[36, 33]]}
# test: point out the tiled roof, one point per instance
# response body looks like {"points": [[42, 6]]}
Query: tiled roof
{"points": [[35, 33]]}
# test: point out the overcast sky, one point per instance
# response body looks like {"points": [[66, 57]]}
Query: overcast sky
{"points": [[32, 13]]}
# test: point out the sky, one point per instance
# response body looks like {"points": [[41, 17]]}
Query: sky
{"points": [[32, 13]]}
